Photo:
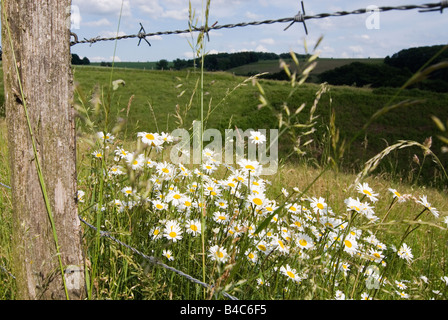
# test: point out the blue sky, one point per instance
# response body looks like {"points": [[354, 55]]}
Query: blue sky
{"points": [[344, 37]]}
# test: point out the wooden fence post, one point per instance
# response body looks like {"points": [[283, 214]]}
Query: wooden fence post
{"points": [[39, 87]]}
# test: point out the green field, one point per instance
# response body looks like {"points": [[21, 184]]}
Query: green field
{"points": [[273, 66], [149, 65], [157, 93]]}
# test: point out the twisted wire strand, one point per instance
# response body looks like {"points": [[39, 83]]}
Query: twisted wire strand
{"points": [[4, 185], [424, 8]]}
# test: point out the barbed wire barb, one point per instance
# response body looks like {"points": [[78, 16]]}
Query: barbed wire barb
{"points": [[299, 17], [443, 5], [141, 35]]}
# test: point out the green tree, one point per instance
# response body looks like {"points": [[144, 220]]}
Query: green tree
{"points": [[162, 64]]}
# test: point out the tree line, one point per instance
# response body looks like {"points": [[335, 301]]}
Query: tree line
{"points": [[76, 60], [226, 61], [394, 71]]}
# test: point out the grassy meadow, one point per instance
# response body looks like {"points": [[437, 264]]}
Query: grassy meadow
{"points": [[311, 231], [165, 100], [324, 64]]}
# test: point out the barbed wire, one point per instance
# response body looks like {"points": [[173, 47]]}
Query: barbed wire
{"points": [[300, 17], [4, 185]]}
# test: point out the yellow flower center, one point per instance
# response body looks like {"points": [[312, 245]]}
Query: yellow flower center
{"points": [[177, 196], [367, 192], [290, 274], [159, 206], [348, 243], [320, 206], [194, 227], [262, 247], [149, 136], [173, 234], [303, 242], [165, 170], [219, 254], [257, 201], [280, 242]]}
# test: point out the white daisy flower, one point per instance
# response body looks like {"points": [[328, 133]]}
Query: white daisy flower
{"points": [[304, 241], [172, 231], [405, 252], [168, 254], [221, 217], [108, 138], [318, 205], [290, 273], [364, 188], [193, 227], [218, 253], [257, 137], [423, 201], [81, 195]]}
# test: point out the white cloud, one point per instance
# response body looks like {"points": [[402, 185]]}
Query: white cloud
{"points": [[111, 34], [156, 37], [176, 14], [103, 7], [261, 48], [117, 59], [213, 51], [189, 54], [97, 59], [253, 16], [156, 9], [269, 41], [365, 36], [356, 49], [97, 23]]}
